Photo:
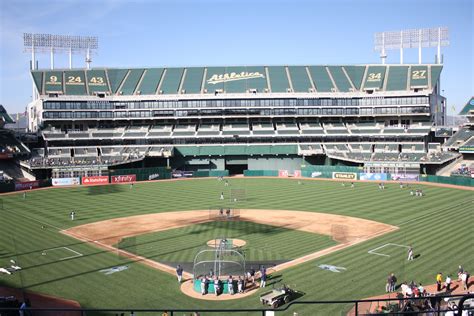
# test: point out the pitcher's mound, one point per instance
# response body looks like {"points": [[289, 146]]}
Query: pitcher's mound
{"points": [[230, 243]]}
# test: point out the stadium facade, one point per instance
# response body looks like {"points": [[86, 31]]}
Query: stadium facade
{"points": [[384, 118]]}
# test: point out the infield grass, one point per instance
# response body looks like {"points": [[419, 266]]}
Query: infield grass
{"points": [[263, 242], [439, 226]]}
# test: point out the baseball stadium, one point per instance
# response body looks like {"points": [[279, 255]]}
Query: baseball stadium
{"points": [[237, 190]]}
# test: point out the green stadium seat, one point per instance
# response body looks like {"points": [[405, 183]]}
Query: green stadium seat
{"points": [[116, 77], [321, 79], [340, 78], [171, 81], [299, 78], [193, 80], [375, 78], [38, 80], [97, 81], [397, 78], [131, 82], [278, 79], [53, 82], [211, 85], [419, 77], [150, 81], [356, 74]]}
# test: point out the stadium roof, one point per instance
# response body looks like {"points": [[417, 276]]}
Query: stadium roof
{"points": [[469, 107], [237, 79]]}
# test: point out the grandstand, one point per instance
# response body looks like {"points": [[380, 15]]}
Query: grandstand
{"points": [[238, 118]]}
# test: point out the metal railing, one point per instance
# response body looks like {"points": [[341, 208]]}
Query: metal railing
{"points": [[356, 310]]}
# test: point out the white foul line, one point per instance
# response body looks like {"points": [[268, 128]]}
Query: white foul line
{"points": [[77, 254], [372, 251]]}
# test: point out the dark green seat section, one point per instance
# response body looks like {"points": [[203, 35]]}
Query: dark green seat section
{"points": [[212, 150], [299, 78], [397, 78], [375, 77], [235, 150], [321, 78], [75, 82], [130, 84], [187, 150], [171, 80], [256, 79], [419, 76], [211, 84], [193, 80], [435, 72], [278, 79], [468, 107], [356, 74], [235, 132], [38, 80], [97, 81], [53, 81], [116, 77], [150, 81], [340, 78]]}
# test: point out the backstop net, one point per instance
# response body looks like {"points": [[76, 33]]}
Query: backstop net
{"points": [[238, 195], [223, 213]]}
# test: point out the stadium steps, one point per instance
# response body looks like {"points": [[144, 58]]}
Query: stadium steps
{"points": [[13, 170]]}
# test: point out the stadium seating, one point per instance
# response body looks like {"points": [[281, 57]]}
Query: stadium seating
{"points": [[299, 78], [321, 79], [278, 79], [150, 81], [460, 137], [340, 79]]}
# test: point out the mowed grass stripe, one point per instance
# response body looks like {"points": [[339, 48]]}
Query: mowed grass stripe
{"points": [[264, 242]]}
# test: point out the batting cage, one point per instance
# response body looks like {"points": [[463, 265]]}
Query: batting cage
{"points": [[218, 261]]}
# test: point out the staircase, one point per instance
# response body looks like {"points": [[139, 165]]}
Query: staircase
{"points": [[13, 170]]}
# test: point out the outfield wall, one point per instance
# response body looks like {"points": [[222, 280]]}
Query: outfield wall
{"points": [[315, 172]]}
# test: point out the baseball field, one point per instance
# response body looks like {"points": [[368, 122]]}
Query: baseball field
{"points": [[106, 257]]}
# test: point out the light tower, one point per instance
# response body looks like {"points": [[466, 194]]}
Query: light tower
{"points": [[415, 38], [52, 44]]}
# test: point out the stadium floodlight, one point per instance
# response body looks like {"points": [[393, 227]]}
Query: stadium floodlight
{"points": [[52, 43], [414, 38]]}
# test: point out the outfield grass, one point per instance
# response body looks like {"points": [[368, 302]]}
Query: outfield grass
{"points": [[263, 242], [439, 226]]}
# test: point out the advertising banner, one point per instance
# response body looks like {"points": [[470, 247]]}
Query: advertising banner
{"points": [[123, 178], [65, 181], [297, 173], [344, 175], [95, 180], [373, 176], [182, 174], [283, 173], [406, 177], [26, 185], [316, 174]]}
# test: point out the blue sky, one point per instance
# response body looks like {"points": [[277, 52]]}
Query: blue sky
{"points": [[223, 32]]}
